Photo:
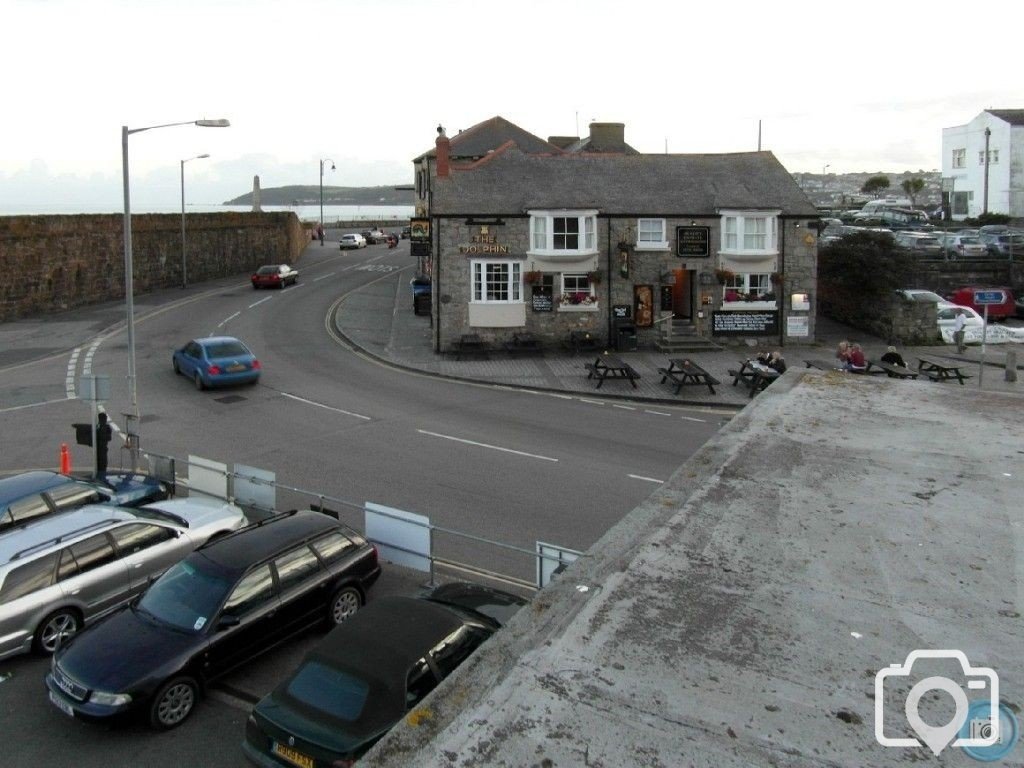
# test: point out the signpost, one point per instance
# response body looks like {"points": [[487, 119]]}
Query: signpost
{"points": [[94, 390], [983, 299]]}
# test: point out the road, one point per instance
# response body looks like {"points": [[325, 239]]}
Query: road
{"points": [[510, 466]]}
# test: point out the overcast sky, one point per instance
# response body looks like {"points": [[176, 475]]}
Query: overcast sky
{"points": [[858, 86]]}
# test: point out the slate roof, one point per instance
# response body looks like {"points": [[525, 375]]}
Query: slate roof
{"points": [[1012, 116], [490, 134], [510, 182], [586, 144]]}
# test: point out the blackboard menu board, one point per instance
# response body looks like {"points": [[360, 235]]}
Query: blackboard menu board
{"points": [[666, 298], [543, 298], [622, 311], [745, 323], [693, 241]]}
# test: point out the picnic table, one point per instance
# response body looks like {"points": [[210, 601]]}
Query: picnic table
{"points": [[611, 367], [941, 370], [825, 365], [682, 371], [754, 375], [523, 344], [470, 344], [582, 341], [894, 371]]}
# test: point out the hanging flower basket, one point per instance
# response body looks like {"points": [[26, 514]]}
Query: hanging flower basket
{"points": [[594, 277], [533, 277], [724, 275], [776, 278]]}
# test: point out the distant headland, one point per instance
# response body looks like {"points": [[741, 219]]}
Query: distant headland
{"points": [[309, 194]]}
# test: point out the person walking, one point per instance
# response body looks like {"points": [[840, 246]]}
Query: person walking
{"points": [[103, 435], [320, 233], [959, 323]]}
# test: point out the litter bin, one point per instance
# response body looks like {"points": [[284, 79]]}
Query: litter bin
{"points": [[83, 434], [421, 304], [625, 336]]}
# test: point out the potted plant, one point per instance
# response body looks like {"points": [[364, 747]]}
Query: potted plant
{"points": [[724, 275], [532, 277], [594, 277]]}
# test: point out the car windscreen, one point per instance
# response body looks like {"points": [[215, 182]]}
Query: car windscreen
{"points": [[333, 692], [266, 270], [226, 349], [926, 296], [187, 596]]}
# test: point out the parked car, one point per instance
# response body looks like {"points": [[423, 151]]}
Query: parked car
{"points": [[374, 236], [406, 233], [274, 276], [352, 241], [226, 603], [63, 572], [216, 361], [917, 294], [30, 495], [959, 246], [364, 677], [965, 298], [919, 242], [1002, 244]]}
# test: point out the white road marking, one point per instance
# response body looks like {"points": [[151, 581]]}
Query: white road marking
{"points": [[690, 418], [87, 363], [32, 405], [624, 407], [485, 445], [325, 407], [648, 479], [227, 320], [657, 413], [322, 277], [257, 303], [69, 378], [592, 402]]}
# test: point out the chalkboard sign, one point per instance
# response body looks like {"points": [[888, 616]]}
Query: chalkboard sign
{"points": [[622, 311], [543, 298], [745, 323], [693, 242]]}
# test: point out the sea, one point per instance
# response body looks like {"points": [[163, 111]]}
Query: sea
{"points": [[332, 213]]}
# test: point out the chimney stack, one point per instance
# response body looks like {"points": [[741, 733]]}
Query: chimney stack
{"points": [[607, 137], [443, 147]]}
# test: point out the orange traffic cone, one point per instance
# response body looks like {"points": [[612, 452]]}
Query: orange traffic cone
{"points": [[65, 459]]}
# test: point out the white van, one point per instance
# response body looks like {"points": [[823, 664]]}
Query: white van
{"points": [[876, 206]]}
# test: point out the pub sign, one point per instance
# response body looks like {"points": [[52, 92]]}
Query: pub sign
{"points": [[693, 242]]}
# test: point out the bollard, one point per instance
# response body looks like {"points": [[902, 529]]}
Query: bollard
{"points": [[1011, 366], [65, 459]]}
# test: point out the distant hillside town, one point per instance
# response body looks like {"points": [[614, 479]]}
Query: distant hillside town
{"points": [[843, 190]]}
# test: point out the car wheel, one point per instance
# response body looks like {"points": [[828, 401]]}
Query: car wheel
{"points": [[255, 287], [174, 365], [173, 703], [344, 604], [199, 381], [55, 630]]}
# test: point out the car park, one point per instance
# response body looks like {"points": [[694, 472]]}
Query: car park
{"points": [[959, 246], [919, 242], [226, 603], [965, 298], [352, 241], [374, 236], [64, 572], [30, 495], [364, 676], [216, 361], [274, 276], [1003, 244]]}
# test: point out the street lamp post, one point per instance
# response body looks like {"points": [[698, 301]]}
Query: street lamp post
{"points": [[324, 160], [825, 168], [184, 262], [128, 287]]}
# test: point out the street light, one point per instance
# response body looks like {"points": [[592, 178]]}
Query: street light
{"points": [[825, 168], [184, 263], [324, 160], [128, 287]]}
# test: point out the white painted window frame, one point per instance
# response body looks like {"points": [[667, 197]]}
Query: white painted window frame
{"points": [[651, 245], [542, 231], [478, 269], [739, 219]]}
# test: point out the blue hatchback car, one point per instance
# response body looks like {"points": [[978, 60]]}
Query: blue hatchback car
{"points": [[216, 361]]}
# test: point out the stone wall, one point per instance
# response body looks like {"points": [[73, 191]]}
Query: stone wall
{"points": [[55, 263], [944, 277]]}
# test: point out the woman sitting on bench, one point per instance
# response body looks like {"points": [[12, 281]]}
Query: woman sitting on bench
{"points": [[856, 363]]}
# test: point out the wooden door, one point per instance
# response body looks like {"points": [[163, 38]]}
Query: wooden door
{"points": [[682, 295]]}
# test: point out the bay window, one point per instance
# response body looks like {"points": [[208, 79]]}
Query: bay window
{"points": [[497, 282], [557, 233], [753, 233]]}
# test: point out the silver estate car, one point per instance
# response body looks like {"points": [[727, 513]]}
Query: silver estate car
{"points": [[65, 571]]}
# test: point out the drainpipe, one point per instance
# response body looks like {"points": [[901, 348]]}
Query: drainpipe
{"points": [[436, 228], [988, 132], [608, 238], [781, 298]]}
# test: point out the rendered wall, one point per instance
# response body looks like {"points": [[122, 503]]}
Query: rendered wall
{"points": [[55, 263]]}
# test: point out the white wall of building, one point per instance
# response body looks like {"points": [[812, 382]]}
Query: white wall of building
{"points": [[1005, 173]]}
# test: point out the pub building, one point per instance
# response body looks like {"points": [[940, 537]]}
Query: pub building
{"points": [[518, 234]]}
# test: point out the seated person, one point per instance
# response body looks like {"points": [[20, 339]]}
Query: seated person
{"points": [[892, 357], [843, 352], [776, 362], [855, 362]]}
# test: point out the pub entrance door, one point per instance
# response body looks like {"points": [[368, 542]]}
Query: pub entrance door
{"points": [[682, 295]]}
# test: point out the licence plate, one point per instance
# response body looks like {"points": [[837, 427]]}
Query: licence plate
{"points": [[64, 707], [292, 756], [235, 368]]}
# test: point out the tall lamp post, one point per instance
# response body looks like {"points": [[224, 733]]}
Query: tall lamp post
{"points": [[184, 263], [324, 160], [128, 287]]}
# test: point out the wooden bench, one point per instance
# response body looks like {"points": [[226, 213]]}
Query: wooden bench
{"points": [[756, 379], [582, 341], [610, 367], [470, 344], [523, 344], [687, 372], [894, 371], [940, 370]]}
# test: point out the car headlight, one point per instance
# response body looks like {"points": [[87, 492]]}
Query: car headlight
{"points": [[110, 699]]}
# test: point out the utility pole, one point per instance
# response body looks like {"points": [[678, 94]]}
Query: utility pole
{"points": [[988, 133]]}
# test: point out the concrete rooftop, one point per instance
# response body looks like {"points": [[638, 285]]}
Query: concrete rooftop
{"points": [[738, 616]]}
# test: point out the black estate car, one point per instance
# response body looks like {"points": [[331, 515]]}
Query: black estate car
{"points": [[364, 676], [224, 604]]}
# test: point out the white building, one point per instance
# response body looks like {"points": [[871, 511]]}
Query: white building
{"points": [[963, 160]]}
